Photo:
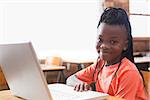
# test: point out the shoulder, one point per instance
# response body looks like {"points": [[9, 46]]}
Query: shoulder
{"points": [[88, 70], [127, 65], [128, 68]]}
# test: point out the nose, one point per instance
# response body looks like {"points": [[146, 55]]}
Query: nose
{"points": [[104, 46], [101, 46]]}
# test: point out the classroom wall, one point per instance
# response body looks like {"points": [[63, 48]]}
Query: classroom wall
{"points": [[141, 44], [50, 24]]}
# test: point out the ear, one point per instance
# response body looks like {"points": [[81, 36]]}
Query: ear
{"points": [[125, 46]]}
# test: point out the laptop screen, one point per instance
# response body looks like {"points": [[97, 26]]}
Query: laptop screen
{"points": [[22, 71]]}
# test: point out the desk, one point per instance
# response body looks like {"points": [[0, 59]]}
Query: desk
{"points": [[79, 62], [143, 61], [71, 57], [51, 68], [6, 95]]}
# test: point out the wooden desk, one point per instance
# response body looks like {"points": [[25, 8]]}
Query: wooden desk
{"points": [[51, 68], [142, 59], [143, 63], [79, 62], [6, 95]]}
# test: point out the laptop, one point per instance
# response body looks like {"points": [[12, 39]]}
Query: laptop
{"points": [[25, 78]]}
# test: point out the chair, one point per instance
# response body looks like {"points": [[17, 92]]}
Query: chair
{"points": [[146, 75], [53, 60], [3, 83], [54, 63]]}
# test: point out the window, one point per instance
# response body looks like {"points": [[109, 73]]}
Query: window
{"points": [[139, 14], [140, 17], [51, 25]]}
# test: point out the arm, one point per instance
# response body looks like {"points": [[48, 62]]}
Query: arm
{"points": [[82, 79], [77, 84], [73, 80]]}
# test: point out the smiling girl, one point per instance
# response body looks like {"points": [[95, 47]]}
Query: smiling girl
{"points": [[114, 72]]}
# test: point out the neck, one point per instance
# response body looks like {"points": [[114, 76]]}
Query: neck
{"points": [[117, 60]]}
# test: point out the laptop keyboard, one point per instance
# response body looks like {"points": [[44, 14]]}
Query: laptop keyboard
{"points": [[62, 95], [64, 92]]}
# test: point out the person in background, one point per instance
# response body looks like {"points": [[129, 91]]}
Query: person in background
{"points": [[114, 72]]}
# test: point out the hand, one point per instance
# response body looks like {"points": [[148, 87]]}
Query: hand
{"points": [[82, 87]]}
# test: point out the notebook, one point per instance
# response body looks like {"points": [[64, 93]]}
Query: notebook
{"points": [[25, 78]]}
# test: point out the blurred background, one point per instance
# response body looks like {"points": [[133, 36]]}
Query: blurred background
{"points": [[67, 29]]}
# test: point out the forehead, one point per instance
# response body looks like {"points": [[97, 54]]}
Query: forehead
{"points": [[118, 31]]}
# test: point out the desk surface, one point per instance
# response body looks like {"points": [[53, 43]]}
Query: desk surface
{"points": [[52, 68], [137, 60], [142, 59], [6, 95]]}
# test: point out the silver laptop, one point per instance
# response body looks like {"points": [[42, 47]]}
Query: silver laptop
{"points": [[26, 80]]}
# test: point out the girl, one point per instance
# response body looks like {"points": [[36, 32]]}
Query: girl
{"points": [[114, 72]]}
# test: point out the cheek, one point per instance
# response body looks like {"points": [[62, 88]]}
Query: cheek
{"points": [[116, 50]]}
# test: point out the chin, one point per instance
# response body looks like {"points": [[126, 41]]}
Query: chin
{"points": [[103, 57]]}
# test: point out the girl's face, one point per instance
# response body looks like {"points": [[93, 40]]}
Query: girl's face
{"points": [[112, 40]]}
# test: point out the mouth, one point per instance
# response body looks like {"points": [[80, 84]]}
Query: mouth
{"points": [[103, 52]]}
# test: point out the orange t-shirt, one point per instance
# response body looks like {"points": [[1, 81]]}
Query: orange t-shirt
{"points": [[127, 83]]}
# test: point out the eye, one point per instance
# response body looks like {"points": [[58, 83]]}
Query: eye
{"points": [[113, 42]]}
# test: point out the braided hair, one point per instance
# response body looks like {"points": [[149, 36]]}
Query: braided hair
{"points": [[118, 16]]}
